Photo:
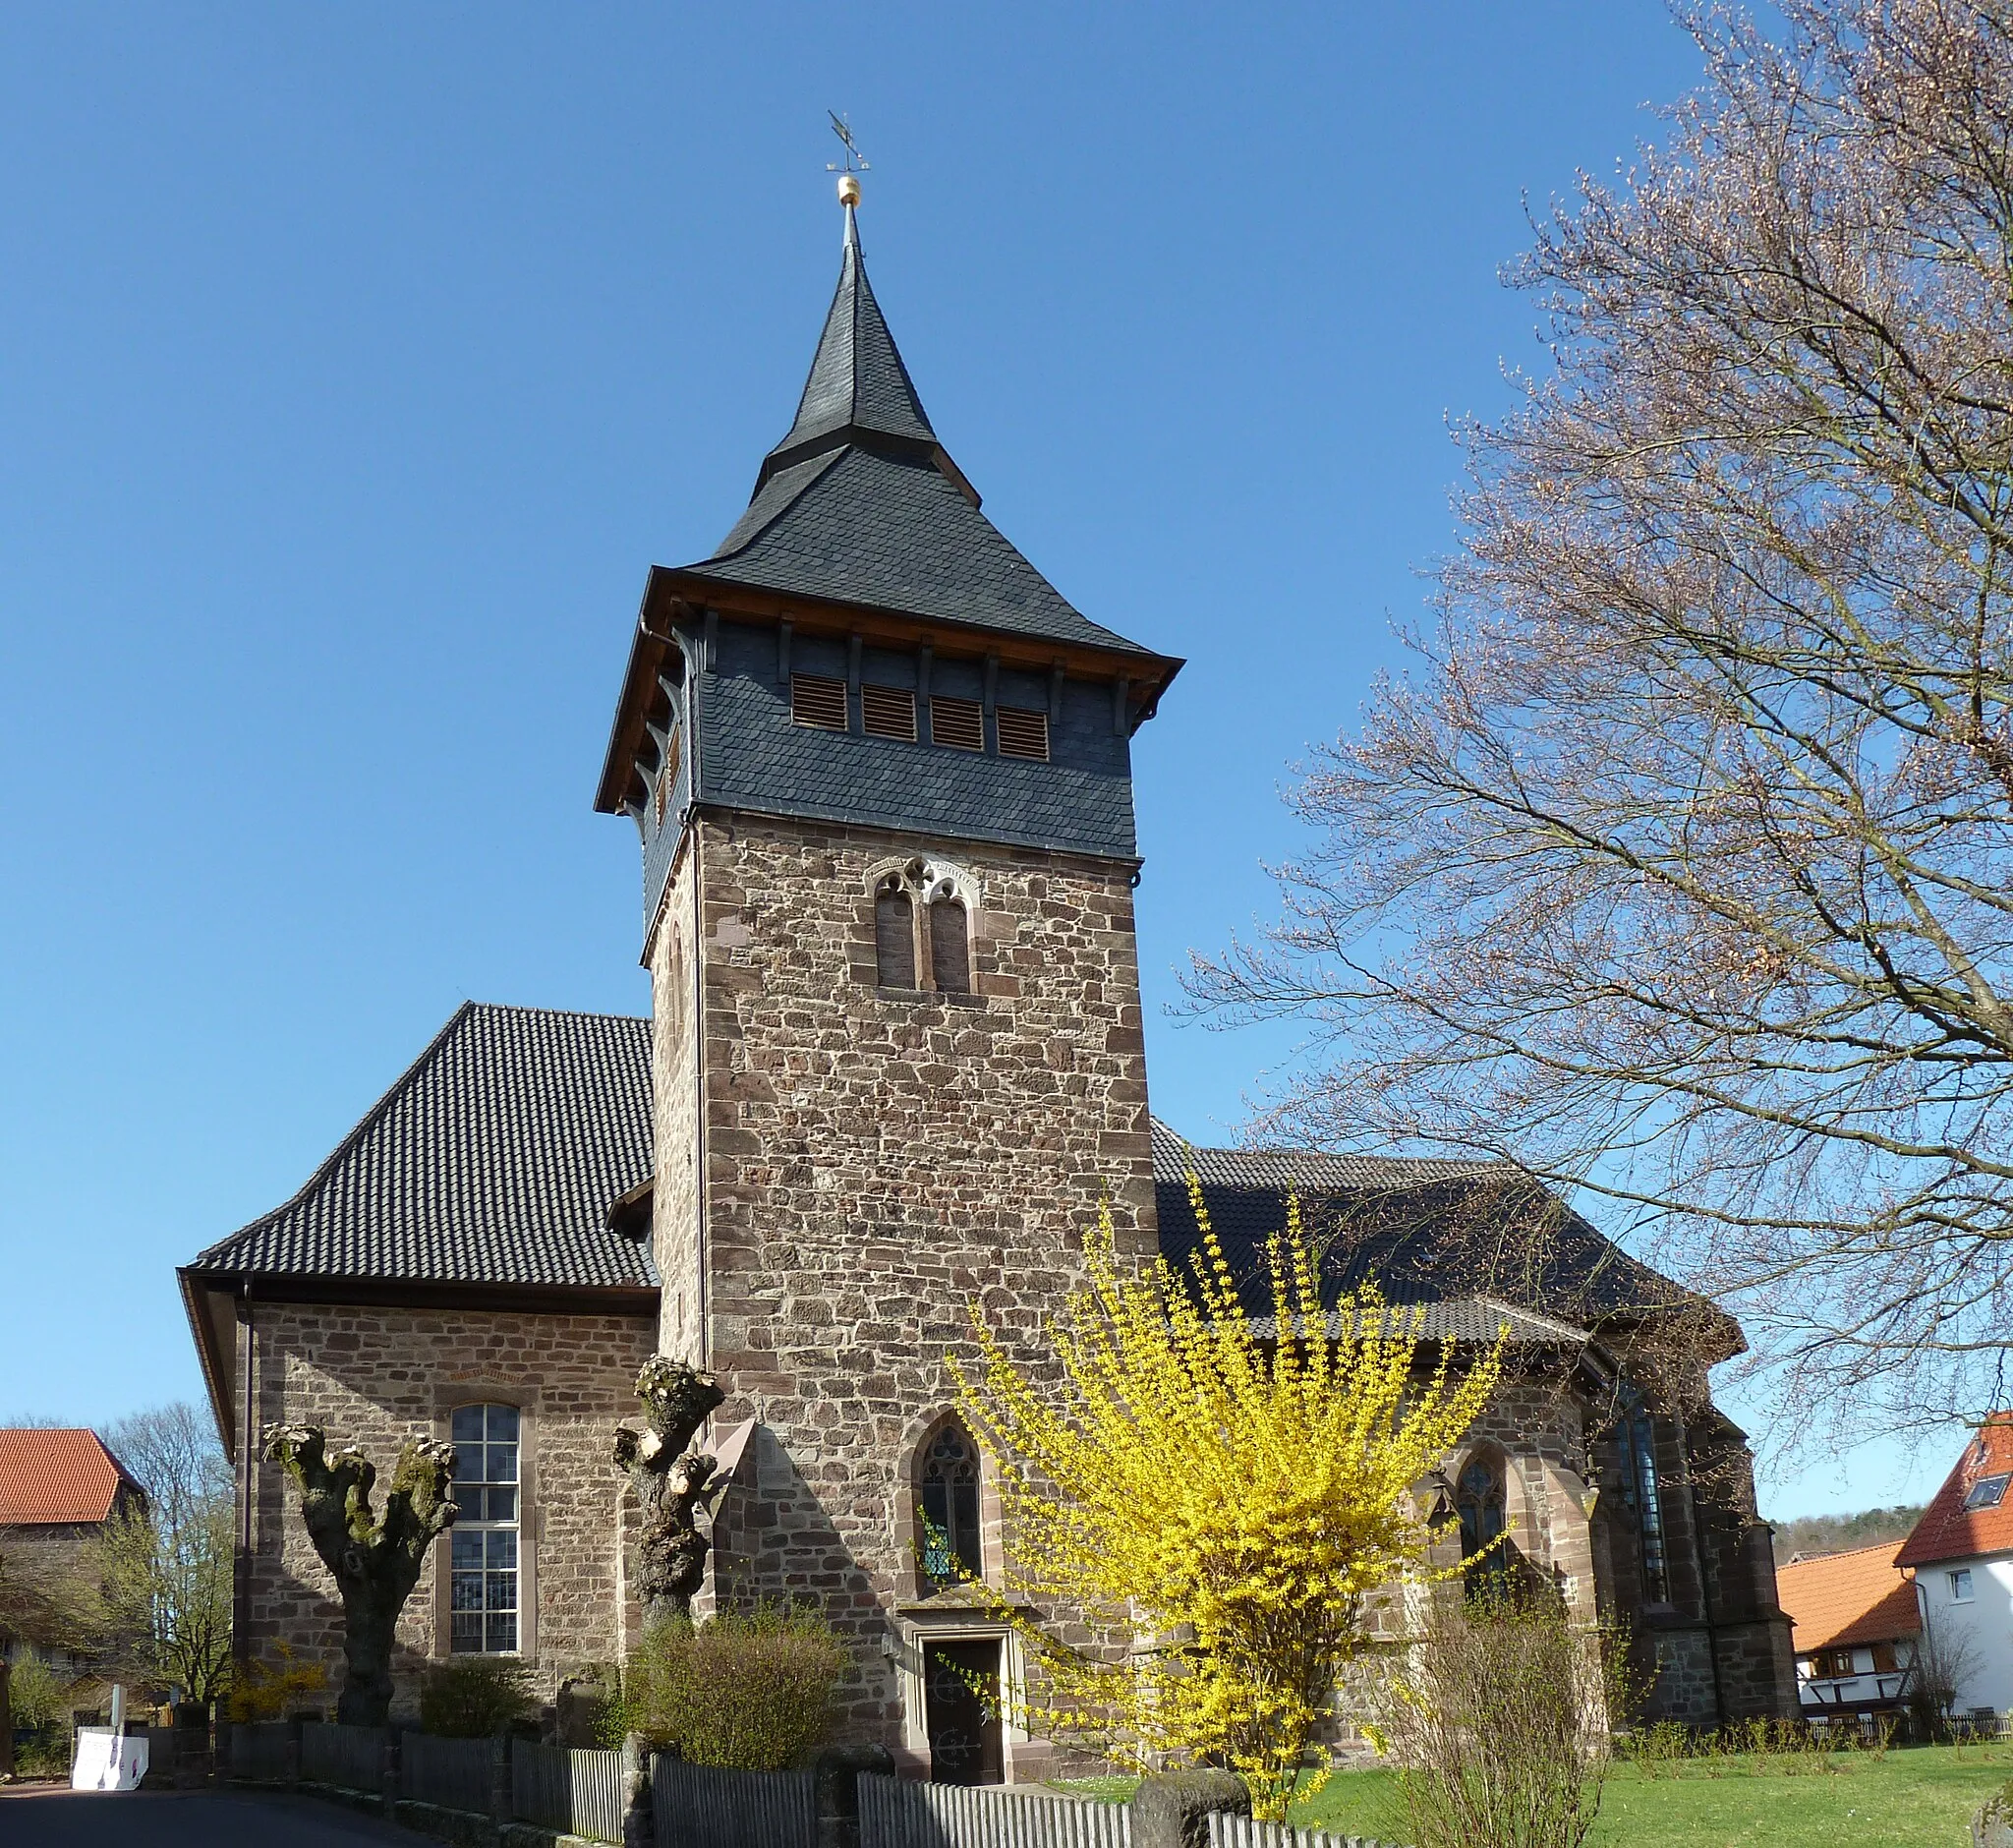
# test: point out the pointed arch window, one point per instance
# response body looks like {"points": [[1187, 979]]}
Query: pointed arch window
{"points": [[1479, 1499], [948, 1507], [1637, 1441], [949, 945], [895, 934]]}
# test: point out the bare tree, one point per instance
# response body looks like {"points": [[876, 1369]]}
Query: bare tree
{"points": [[163, 1573], [1681, 868]]}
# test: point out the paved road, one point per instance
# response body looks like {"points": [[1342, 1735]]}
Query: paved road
{"points": [[195, 1818]]}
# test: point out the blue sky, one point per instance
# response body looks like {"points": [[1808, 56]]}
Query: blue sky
{"points": [[355, 362]]}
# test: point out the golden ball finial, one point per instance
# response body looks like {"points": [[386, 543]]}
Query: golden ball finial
{"points": [[848, 189]]}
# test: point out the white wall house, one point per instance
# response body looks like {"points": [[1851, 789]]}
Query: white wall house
{"points": [[1961, 1555], [1854, 1627]]}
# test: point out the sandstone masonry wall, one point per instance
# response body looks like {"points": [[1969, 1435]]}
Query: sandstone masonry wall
{"points": [[875, 1161], [374, 1377]]}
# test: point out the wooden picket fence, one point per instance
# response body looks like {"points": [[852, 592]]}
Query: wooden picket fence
{"points": [[576, 1792], [1241, 1831], [351, 1758], [699, 1808], [258, 1750], [449, 1773], [898, 1815]]}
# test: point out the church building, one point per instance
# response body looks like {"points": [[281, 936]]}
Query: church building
{"points": [[881, 769]]}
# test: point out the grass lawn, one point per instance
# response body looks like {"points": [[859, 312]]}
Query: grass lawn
{"points": [[1918, 1796]]}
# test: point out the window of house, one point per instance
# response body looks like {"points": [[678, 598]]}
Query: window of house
{"points": [[482, 1542], [948, 1497], [889, 711], [818, 702], [959, 723], [1884, 1662], [1831, 1665], [1024, 733], [895, 935], [1988, 1491], [1960, 1586], [950, 948]]}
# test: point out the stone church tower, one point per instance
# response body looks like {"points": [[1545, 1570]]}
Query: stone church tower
{"points": [[881, 769]]}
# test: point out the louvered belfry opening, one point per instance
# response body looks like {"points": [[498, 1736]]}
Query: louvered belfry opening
{"points": [[959, 723], [1024, 733], [889, 711], [895, 935], [950, 948], [818, 702]]}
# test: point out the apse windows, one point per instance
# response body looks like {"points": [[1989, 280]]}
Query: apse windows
{"points": [[1636, 1443], [922, 928], [483, 1566], [1481, 1501], [948, 1507]]}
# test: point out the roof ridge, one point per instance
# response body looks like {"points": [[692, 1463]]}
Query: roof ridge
{"points": [[563, 1013], [1846, 1552]]}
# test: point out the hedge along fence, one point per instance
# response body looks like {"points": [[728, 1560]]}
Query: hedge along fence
{"points": [[696, 1807]]}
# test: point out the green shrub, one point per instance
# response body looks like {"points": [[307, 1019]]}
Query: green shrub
{"points": [[475, 1697], [740, 1693]]}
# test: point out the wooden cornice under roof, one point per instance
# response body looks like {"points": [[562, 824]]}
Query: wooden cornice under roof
{"points": [[673, 595]]}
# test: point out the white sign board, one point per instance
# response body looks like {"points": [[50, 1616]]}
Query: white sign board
{"points": [[106, 1762]]}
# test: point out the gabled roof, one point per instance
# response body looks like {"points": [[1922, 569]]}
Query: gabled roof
{"points": [[1947, 1528], [1842, 1599], [860, 502], [52, 1477], [1426, 1231], [493, 1161]]}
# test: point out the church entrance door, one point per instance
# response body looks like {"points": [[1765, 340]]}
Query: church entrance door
{"points": [[964, 1735]]}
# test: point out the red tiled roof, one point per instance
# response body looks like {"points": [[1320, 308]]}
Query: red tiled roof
{"points": [[51, 1477], [1845, 1598], [1947, 1528]]}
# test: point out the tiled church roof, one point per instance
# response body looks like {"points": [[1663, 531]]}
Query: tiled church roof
{"points": [[493, 1160], [1427, 1231], [496, 1159]]}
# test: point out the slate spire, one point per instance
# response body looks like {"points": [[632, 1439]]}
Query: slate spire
{"points": [[859, 391]]}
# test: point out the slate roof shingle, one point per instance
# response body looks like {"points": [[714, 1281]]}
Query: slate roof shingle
{"points": [[860, 502], [57, 1477], [493, 1160], [1840, 1600], [1947, 1529]]}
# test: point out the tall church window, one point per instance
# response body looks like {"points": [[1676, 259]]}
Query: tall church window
{"points": [[950, 946], [948, 1500], [1637, 1441], [483, 1566], [895, 935], [1480, 1502]]}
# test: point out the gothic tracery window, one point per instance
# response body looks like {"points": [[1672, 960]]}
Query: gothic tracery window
{"points": [[895, 935], [1480, 1502], [950, 948], [947, 1501], [923, 914]]}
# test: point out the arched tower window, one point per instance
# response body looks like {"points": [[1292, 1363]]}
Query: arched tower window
{"points": [[895, 934], [1481, 1503], [483, 1600], [950, 946], [948, 1502]]}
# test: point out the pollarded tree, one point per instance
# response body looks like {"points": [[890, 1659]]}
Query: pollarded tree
{"points": [[1216, 1496], [375, 1559], [1682, 869]]}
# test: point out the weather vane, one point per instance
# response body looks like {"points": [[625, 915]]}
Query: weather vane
{"points": [[854, 164]]}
